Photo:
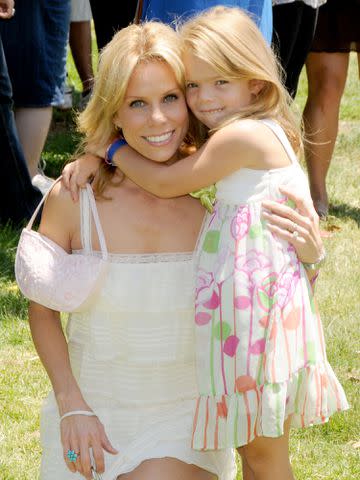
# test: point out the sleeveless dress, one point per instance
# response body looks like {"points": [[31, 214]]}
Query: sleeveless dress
{"points": [[260, 345], [133, 355]]}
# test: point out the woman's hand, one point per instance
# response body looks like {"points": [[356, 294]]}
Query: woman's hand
{"points": [[284, 221], [80, 434], [76, 174]]}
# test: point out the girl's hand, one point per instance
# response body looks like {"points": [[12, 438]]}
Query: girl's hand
{"points": [[80, 433], [76, 174], [284, 221]]}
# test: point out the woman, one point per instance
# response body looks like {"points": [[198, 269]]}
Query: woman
{"points": [[130, 353]]}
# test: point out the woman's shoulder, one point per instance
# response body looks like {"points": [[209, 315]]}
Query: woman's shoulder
{"points": [[60, 216]]}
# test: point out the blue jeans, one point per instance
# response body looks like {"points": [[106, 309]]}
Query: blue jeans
{"points": [[18, 198], [35, 46]]}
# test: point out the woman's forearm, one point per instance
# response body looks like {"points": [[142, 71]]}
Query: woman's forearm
{"points": [[51, 345]]}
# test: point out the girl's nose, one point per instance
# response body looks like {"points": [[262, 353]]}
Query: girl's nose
{"points": [[205, 93]]}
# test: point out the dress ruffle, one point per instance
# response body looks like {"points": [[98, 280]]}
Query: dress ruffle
{"points": [[309, 397]]}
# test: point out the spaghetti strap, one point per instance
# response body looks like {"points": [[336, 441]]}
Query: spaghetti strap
{"points": [[280, 134]]}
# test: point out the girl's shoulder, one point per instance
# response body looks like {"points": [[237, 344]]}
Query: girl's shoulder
{"points": [[250, 137]]}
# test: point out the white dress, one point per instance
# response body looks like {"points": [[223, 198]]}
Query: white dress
{"points": [[133, 354]]}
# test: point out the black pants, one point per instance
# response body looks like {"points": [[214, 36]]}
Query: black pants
{"points": [[109, 17], [18, 198], [294, 29]]}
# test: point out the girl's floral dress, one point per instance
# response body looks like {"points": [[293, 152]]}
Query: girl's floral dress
{"points": [[260, 345]]}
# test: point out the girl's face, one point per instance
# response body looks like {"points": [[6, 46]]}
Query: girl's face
{"points": [[211, 97], [154, 116]]}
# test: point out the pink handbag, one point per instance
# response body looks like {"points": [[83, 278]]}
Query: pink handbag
{"points": [[48, 275]]}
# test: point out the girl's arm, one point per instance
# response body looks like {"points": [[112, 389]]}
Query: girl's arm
{"points": [[228, 150]]}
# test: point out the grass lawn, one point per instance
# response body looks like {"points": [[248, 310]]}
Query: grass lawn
{"points": [[324, 452]]}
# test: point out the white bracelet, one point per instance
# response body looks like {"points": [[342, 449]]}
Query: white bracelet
{"points": [[86, 413]]}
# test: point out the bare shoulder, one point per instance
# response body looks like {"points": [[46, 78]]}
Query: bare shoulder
{"points": [[242, 136], [60, 216]]}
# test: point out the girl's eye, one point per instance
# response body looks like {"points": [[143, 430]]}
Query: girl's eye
{"points": [[137, 104], [191, 85], [221, 82], [170, 98]]}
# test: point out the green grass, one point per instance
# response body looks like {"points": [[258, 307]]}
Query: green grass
{"points": [[322, 452]]}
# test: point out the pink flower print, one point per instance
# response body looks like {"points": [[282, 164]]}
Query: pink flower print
{"points": [[258, 347], [221, 408], [204, 286], [224, 265], [267, 291], [292, 319], [230, 345], [202, 318], [254, 260], [245, 383], [240, 223], [287, 283]]}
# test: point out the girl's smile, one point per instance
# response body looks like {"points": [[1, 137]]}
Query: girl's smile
{"points": [[211, 97]]}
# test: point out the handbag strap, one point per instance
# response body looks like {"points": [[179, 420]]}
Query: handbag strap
{"points": [[42, 201]]}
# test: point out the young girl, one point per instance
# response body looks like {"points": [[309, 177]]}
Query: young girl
{"points": [[261, 357]]}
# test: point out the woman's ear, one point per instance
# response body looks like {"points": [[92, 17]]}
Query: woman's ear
{"points": [[256, 86], [116, 122]]}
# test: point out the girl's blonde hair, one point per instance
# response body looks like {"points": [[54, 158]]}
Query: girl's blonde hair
{"points": [[230, 42], [151, 41]]}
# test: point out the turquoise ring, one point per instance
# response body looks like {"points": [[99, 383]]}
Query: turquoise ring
{"points": [[72, 455]]}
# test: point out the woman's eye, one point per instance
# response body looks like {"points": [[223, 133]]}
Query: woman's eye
{"points": [[191, 85], [137, 104], [170, 98], [221, 82]]}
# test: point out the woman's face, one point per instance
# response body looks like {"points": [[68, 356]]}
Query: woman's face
{"points": [[154, 116]]}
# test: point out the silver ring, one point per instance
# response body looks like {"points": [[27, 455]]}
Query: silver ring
{"points": [[295, 234]]}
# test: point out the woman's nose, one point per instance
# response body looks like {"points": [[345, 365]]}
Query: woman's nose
{"points": [[158, 115]]}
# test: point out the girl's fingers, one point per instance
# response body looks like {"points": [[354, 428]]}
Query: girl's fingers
{"points": [[65, 177], [74, 188]]}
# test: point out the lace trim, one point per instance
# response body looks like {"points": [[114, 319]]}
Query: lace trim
{"points": [[141, 257]]}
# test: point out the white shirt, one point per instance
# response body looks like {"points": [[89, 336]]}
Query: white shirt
{"points": [[310, 3]]}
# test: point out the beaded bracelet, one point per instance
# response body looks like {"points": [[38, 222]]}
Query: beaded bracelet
{"points": [[112, 149], [86, 413]]}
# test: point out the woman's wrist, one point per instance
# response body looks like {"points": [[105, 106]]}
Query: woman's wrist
{"points": [[70, 399], [317, 264]]}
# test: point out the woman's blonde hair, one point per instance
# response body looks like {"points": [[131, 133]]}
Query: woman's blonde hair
{"points": [[230, 42], [150, 41]]}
